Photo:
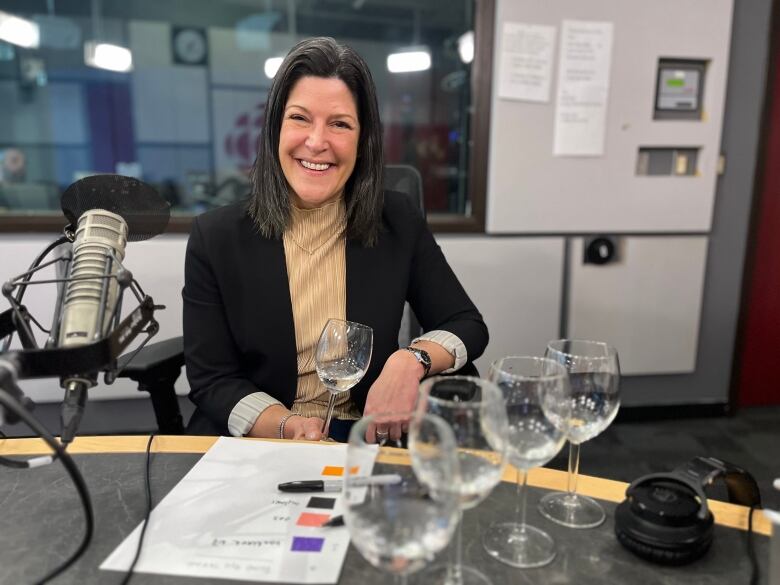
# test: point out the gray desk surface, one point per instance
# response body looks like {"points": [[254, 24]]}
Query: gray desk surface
{"points": [[41, 522]]}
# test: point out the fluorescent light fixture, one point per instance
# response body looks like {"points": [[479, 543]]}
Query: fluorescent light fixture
{"points": [[19, 31], [466, 47], [408, 61], [272, 66], [107, 56]]}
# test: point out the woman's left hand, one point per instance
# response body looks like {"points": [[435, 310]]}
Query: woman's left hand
{"points": [[394, 391]]}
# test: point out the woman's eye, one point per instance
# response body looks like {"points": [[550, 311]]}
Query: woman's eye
{"points": [[296, 117], [342, 125]]}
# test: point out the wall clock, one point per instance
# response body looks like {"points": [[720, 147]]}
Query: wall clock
{"points": [[190, 46]]}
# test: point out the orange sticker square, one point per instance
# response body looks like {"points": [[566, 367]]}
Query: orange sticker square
{"points": [[309, 519], [337, 470]]}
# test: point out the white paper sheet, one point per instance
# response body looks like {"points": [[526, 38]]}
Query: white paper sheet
{"points": [[526, 62], [583, 87], [226, 518]]}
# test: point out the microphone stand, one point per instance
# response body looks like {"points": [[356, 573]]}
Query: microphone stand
{"points": [[84, 361]]}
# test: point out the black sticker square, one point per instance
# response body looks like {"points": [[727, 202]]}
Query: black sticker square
{"points": [[322, 503]]}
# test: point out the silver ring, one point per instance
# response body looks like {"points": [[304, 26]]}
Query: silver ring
{"points": [[382, 434]]}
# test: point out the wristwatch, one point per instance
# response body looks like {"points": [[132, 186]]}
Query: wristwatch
{"points": [[422, 356]]}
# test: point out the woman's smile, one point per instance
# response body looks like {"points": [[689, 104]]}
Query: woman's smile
{"points": [[314, 166]]}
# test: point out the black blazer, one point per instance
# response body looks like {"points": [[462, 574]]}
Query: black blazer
{"points": [[239, 335]]}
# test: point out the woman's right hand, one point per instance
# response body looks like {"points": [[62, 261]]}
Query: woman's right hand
{"points": [[303, 428]]}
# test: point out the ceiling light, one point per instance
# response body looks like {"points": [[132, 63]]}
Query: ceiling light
{"points": [[272, 66], [466, 47], [409, 61], [19, 31], [107, 56]]}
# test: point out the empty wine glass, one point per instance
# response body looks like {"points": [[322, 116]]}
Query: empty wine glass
{"points": [[538, 396], [400, 526], [594, 375], [475, 410], [342, 358]]}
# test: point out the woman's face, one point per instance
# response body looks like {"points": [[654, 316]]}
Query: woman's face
{"points": [[319, 140]]}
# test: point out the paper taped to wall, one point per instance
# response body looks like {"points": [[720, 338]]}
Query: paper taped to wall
{"points": [[583, 88], [526, 62]]}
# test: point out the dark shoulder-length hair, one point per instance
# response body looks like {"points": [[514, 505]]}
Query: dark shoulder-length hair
{"points": [[269, 205]]}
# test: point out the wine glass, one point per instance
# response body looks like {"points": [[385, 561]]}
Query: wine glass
{"points": [[475, 410], [342, 358], [594, 375], [400, 526], [538, 396]]}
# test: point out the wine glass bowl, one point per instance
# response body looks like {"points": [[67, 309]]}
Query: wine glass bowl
{"points": [[400, 527], [342, 358], [594, 376], [474, 409], [538, 403]]}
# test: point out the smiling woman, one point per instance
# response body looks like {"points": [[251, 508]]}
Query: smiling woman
{"points": [[318, 239], [318, 141], [322, 108]]}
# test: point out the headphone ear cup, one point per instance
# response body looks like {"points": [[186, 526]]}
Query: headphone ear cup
{"points": [[652, 538]]}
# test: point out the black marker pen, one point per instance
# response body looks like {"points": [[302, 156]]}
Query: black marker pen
{"points": [[336, 485]]}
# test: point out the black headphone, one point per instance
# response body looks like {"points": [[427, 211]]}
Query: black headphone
{"points": [[665, 518]]}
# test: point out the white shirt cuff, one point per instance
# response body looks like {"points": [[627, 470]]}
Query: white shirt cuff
{"points": [[451, 343], [245, 413]]}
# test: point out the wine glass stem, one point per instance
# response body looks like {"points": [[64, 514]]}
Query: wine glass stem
{"points": [[326, 425], [455, 576], [574, 468], [401, 579], [522, 494]]}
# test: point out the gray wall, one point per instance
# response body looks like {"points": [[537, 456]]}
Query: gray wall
{"points": [[726, 257]]}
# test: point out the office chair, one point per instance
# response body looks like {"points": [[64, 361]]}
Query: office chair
{"points": [[157, 366]]}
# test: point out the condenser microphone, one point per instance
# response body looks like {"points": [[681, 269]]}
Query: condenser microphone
{"points": [[90, 300], [105, 212], [91, 294]]}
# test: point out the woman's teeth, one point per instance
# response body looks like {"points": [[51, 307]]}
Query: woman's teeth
{"points": [[314, 166]]}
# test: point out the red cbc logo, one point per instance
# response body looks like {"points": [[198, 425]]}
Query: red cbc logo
{"points": [[243, 139]]}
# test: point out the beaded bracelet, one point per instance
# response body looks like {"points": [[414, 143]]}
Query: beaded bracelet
{"points": [[283, 421]]}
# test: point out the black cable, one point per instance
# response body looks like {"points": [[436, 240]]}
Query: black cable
{"points": [[14, 463], [129, 574], [28, 463], [10, 403], [751, 551], [38, 259]]}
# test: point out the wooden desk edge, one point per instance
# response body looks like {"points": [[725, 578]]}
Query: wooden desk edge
{"points": [[726, 514]]}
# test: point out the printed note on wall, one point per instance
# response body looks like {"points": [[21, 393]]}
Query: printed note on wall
{"points": [[526, 62], [583, 87]]}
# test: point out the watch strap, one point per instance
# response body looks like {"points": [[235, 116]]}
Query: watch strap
{"points": [[423, 357]]}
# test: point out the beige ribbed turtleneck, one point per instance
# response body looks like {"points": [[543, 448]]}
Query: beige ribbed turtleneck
{"points": [[314, 250]]}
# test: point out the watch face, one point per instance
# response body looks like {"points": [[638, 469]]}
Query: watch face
{"points": [[189, 46], [422, 357]]}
